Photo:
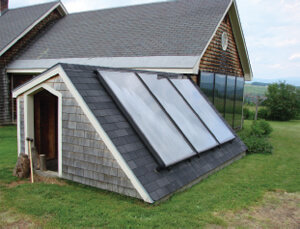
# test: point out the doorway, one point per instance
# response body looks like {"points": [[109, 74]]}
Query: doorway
{"points": [[46, 127]]}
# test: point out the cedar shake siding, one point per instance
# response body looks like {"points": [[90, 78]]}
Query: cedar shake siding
{"points": [[216, 60], [10, 55]]}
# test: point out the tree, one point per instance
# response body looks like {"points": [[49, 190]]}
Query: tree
{"points": [[283, 101]]}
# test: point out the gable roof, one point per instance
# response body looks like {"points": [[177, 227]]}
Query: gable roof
{"points": [[129, 145], [15, 23]]}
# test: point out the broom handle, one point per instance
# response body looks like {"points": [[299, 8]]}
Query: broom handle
{"points": [[30, 158]]}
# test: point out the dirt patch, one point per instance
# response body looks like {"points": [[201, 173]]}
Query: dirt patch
{"points": [[37, 179], [277, 210], [10, 219]]}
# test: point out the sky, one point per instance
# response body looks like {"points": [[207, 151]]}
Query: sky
{"points": [[271, 29]]}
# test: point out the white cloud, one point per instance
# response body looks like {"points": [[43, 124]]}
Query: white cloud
{"points": [[294, 56]]}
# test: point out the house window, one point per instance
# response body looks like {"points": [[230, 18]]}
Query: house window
{"points": [[219, 92], [229, 102], [239, 98], [207, 84]]}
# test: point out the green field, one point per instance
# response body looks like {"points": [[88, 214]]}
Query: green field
{"points": [[235, 189]]}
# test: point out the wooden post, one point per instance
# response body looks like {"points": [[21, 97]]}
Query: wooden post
{"points": [[30, 158]]}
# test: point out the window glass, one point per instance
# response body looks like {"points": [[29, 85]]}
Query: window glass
{"points": [[219, 92], [239, 95], [207, 84], [229, 106]]}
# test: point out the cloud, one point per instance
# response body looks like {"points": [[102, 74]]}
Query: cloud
{"points": [[294, 56]]}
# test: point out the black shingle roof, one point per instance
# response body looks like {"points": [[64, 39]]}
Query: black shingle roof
{"points": [[132, 148], [15, 21], [175, 28]]}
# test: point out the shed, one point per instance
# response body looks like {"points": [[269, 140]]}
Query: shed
{"points": [[138, 133]]}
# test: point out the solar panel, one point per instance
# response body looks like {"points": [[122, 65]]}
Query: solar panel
{"points": [[178, 109], [152, 123], [204, 110]]}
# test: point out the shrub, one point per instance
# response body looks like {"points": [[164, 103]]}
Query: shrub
{"points": [[257, 144], [256, 137], [260, 128], [248, 114], [263, 113]]}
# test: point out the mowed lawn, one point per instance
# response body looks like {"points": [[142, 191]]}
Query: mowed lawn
{"points": [[239, 186]]}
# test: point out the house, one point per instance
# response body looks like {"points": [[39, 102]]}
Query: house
{"points": [[188, 37], [117, 99], [17, 28]]}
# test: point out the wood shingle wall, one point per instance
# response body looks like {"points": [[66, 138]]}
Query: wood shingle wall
{"points": [[216, 60]]}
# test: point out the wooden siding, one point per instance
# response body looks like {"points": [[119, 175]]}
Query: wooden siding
{"points": [[216, 60]]}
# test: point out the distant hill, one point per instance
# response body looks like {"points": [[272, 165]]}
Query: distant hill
{"points": [[259, 84]]}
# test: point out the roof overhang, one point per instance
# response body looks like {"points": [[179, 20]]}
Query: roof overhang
{"points": [[61, 9], [171, 64]]}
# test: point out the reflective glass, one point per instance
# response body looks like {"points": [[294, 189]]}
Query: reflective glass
{"points": [[204, 110], [239, 96], [219, 92], [207, 84], [150, 119], [229, 107], [180, 112]]}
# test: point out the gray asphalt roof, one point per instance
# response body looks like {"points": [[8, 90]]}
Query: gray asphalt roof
{"points": [[15, 21], [132, 148], [175, 28]]}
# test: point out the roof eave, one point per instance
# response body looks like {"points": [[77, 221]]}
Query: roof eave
{"points": [[61, 9]]}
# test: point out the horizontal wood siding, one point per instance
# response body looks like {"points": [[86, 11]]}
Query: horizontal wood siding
{"points": [[216, 60]]}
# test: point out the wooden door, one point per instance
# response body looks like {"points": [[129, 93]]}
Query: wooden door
{"points": [[45, 124]]}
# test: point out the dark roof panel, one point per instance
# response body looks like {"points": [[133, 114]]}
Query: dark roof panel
{"points": [[15, 21], [175, 28]]}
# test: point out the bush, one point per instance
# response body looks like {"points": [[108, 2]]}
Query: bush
{"points": [[248, 114], [257, 144], [263, 113], [256, 137], [261, 128]]}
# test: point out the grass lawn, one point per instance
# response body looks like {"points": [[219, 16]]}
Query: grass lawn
{"points": [[239, 186]]}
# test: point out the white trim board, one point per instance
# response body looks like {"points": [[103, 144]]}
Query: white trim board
{"points": [[61, 9], [58, 70]]}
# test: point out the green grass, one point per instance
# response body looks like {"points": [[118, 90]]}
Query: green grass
{"points": [[235, 187]]}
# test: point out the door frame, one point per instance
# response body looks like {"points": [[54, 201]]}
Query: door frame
{"points": [[29, 118]]}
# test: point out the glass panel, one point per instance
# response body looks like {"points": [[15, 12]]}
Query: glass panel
{"points": [[204, 110], [219, 100], [229, 108], [239, 96], [148, 116], [180, 112], [207, 84]]}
